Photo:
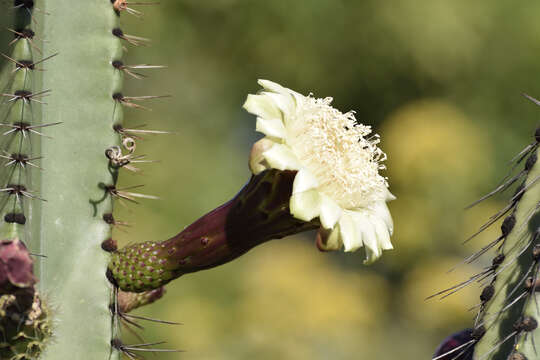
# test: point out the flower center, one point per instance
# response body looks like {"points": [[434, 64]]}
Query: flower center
{"points": [[337, 151]]}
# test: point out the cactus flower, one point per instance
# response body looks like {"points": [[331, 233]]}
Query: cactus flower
{"points": [[315, 169], [337, 162]]}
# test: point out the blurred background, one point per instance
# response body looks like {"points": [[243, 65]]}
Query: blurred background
{"points": [[440, 81]]}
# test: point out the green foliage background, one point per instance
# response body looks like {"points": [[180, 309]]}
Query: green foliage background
{"points": [[439, 80]]}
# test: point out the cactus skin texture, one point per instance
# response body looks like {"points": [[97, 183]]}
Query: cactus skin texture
{"points": [[259, 213], [506, 325], [77, 183], [511, 324]]}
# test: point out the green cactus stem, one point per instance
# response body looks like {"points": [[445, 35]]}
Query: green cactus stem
{"points": [[259, 213], [507, 320]]}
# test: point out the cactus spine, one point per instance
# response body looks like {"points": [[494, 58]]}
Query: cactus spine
{"points": [[509, 311]]}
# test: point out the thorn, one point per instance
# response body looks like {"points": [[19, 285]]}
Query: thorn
{"points": [[537, 102], [153, 320], [27, 64], [26, 34], [500, 188], [122, 5], [27, 96], [133, 40], [26, 128], [20, 160], [128, 100], [19, 191], [130, 196], [133, 132]]}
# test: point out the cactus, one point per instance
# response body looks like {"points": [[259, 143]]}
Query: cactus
{"points": [[505, 326], [59, 166]]}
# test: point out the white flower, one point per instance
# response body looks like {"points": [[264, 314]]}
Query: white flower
{"points": [[338, 165]]}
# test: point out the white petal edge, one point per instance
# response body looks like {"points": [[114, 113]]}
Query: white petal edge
{"points": [[271, 127], [281, 157], [347, 229], [305, 205], [380, 210], [304, 180], [257, 163], [284, 102], [272, 86], [330, 240], [382, 233], [330, 212], [262, 106]]}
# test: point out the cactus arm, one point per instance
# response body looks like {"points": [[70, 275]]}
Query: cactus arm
{"points": [[75, 170], [519, 263]]}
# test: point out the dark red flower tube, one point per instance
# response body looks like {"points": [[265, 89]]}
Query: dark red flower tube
{"points": [[258, 213]]}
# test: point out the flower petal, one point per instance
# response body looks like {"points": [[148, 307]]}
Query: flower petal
{"points": [[351, 240], [284, 102], [271, 127], [262, 106], [382, 233], [257, 163], [304, 180], [329, 240], [305, 205], [281, 157], [380, 210], [330, 212], [272, 86]]}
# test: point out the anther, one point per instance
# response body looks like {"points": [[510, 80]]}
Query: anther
{"points": [[530, 162], [15, 218], [487, 293], [109, 245], [508, 224], [527, 324]]}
